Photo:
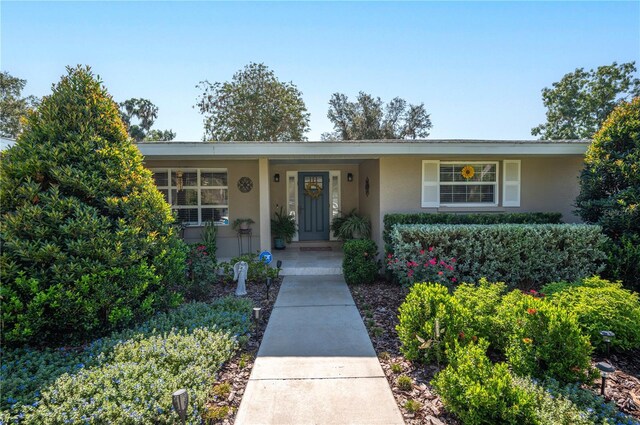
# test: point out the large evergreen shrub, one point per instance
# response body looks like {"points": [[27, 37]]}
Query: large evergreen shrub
{"points": [[87, 240], [610, 189]]}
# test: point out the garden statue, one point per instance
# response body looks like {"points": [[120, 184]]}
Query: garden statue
{"points": [[240, 270]]}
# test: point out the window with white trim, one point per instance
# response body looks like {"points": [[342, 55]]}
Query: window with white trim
{"points": [[462, 183], [196, 195], [468, 183]]}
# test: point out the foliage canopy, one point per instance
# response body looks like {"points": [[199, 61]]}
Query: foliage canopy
{"points": [[580, 102], [13, 106], [253, 106], [369, 119], [146, 113]]}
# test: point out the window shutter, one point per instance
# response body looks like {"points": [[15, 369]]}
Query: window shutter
{"points": [[430, 184], [511, 183]]}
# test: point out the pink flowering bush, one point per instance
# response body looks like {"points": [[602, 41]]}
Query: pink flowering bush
{"points": [[423, 266]]}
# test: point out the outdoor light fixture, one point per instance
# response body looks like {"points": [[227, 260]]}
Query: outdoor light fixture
{"points": [[276, 178], [605, 370], [268, 284], [180, 401], [349, 177], [256, 313], [606, 337], [278, 267]]}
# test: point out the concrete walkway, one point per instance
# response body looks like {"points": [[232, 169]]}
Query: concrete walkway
{"points": [[316, 364]]}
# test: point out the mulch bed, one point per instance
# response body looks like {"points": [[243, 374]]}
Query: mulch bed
{"points": [[233, 377], [378, 304]]}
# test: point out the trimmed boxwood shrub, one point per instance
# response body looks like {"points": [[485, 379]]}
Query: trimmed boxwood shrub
{"points": [[523, 255], [87, 240], [601, 305], [359, 264], [391, 220]]}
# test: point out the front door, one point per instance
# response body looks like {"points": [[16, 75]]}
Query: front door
{"points": [[313, 203]]}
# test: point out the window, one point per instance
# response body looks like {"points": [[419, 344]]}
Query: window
{"points": [[195, 195], [465, 183], [469, 183]]}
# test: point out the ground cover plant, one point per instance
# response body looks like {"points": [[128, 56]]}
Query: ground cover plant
{"points": [[88, 245], [130, 375], [521, 255]]}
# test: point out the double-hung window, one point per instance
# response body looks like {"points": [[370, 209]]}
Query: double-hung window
{"points": [[469, 183], [195, 195]]}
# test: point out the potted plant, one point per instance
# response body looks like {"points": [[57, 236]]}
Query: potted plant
{"points": [[283, 227], [351, 226], [242, 224]]}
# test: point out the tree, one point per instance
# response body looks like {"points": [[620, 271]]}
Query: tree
{"points": [[368, 119], [578, 105], [13, 106], [87, 240], [146, 113], [254, 106], [610, 188]]}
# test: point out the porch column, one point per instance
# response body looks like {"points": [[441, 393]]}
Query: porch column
{"points": [[265, 204]]}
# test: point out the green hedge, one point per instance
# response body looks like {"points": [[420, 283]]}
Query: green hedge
{"points": [[391, 220], [359, 264], [523, 255], [129, 376]]}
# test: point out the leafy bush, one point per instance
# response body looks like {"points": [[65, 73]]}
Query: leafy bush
{"points": [[351, 226], [422, 266], [87, 241], [482, 301], [546, 341], [519, 254], [623, 261], [202, 272], [602, 305], [610, 187], [390, 220], [429, 318], [479, 392], [26, 372], [257, 273], [209, 236], [359, 264]]}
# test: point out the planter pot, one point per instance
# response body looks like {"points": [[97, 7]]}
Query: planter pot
{"points": [[278, 243], [244, 226]]}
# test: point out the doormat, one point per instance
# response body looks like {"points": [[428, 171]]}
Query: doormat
{"points": [[315, 248]]}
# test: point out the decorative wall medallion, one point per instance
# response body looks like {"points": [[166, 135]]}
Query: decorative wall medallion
{"points": [[245, 184], [366, 186]]}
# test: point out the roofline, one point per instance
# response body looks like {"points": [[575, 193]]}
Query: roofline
{"points": [[358, 149]]}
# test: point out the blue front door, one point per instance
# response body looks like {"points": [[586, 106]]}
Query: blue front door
{"points": [[313, 203]]}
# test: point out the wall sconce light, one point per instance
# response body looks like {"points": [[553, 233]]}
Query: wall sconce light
{"points": [[276, 178], [349, 177]]}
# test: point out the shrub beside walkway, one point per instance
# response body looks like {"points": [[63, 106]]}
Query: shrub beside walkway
{"points": [[316, 363]]}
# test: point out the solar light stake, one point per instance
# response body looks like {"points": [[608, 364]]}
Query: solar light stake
{"points": [[278, 267], [606, 337], [268, 284], [256, 313], [605, 369], [180, 400]]}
